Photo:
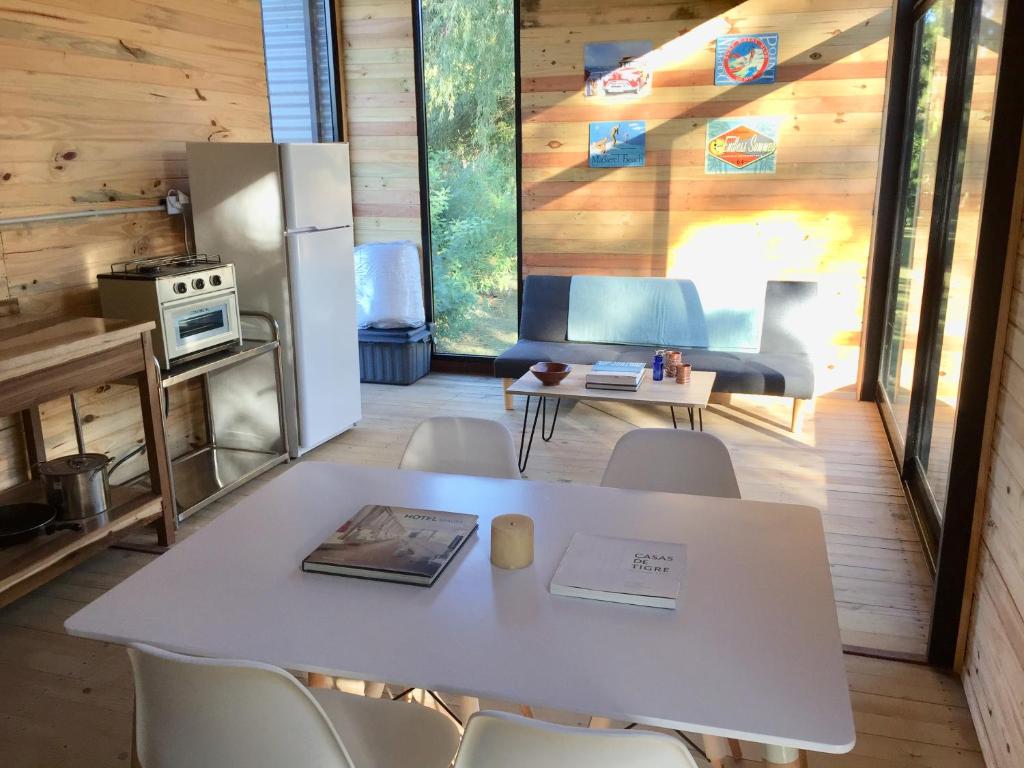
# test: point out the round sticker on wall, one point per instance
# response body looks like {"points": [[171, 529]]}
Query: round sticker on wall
{"points": [[745, 59]]}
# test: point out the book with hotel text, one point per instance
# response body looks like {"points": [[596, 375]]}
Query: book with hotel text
{"points": [[411, 546]]}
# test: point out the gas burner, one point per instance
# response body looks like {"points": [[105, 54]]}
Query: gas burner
{"points": [[160, 266]]}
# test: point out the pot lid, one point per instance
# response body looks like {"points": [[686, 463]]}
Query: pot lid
{"points": [[74, 464]]}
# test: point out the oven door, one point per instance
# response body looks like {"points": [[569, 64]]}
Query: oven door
{"points": [[192, 325]]}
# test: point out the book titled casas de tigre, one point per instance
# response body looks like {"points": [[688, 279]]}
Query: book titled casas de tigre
{"points": [[621, 570], [410, 546]]}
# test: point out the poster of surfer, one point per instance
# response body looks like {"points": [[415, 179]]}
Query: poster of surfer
{"points": [[617, 69], [741, 145], [746, 59], [618, 144]]}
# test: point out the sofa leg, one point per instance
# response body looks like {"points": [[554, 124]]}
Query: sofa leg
{"points": [[505, 384], [800, 407]]}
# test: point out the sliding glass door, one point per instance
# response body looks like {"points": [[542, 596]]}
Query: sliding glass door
{"points": [[932, 32], [467, 52], [959, 256], [945, 159]]}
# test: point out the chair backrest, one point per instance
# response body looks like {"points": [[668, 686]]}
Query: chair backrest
{"points": [[197, 713], [460, 445], [674, 461], [500, 740]]}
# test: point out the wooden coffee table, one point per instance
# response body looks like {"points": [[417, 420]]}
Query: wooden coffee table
{"points": [[573, 387]]}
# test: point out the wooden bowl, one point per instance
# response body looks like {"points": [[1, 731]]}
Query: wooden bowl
{"points": [[550, 374]]}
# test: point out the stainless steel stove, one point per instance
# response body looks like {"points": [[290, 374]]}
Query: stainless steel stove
{"points": [[192, 299]]}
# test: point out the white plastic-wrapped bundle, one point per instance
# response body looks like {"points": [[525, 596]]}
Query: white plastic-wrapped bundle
{"points": [[389, 285]]}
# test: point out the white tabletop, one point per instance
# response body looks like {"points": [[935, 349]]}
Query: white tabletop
{"points": [[752, 652], [651, 392]]}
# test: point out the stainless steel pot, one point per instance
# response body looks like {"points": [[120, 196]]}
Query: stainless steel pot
{"points": [[77, 485]]}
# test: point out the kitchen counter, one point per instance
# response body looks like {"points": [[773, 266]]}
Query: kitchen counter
{"points": [[42, 361]]}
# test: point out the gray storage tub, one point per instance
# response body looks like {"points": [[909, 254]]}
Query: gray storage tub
{"points": [[394, 356]]}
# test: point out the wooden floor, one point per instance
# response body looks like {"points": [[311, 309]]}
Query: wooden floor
{"points": [[67, 702]]}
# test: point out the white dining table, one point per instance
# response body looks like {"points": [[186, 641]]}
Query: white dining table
{"points": [[752, 651]]}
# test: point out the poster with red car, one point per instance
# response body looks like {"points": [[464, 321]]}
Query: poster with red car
{"points": [[617, 69]]}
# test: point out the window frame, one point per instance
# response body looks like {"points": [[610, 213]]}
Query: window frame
{"points": [[948, 543], [447, 361]]}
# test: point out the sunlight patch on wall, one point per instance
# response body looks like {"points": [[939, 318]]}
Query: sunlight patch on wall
{"points": [[732, 257]]}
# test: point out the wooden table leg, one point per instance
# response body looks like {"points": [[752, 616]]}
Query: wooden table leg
{"points": [[316, 680], [156, 442], [716, 749], [35, 445]]}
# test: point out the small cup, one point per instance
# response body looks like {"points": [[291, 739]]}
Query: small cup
{"points": [[683, 373], [673, 360]]}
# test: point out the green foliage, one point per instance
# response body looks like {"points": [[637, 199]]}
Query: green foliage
{"points": [[469, 80]]}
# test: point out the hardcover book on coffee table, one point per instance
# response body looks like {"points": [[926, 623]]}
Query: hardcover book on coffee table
{"points": [[621, 570], [410, 546], [615, 372]]}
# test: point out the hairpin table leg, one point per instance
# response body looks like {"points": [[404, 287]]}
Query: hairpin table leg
{"points": [[523, 444], [544, 419]]}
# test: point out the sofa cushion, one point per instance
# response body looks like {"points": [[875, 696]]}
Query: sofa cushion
{"points": [[756, 373], [651, 311], [545, 314]]}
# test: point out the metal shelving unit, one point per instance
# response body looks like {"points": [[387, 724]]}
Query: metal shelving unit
{"points": [[242, 442]]}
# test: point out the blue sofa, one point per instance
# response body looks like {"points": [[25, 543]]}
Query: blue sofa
{"points": [[755, 345]]}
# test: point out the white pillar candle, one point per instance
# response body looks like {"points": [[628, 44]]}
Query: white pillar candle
{"points": [[511, 541]]}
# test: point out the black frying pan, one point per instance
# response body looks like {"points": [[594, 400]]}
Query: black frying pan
{"points": [[20, 522]]}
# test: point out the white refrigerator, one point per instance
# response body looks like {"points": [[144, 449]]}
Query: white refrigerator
{"points": [[282, 214]]}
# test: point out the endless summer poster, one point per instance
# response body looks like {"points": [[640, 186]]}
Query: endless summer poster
{"points": [[741, 145]]}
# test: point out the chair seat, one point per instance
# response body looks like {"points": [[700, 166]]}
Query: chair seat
{"points": [[379, 733]]}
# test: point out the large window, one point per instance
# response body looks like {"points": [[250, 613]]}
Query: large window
{"points": [[301, 81], [921, 368], [469, 96], [961, 254], [954, 228], [931, 61]]}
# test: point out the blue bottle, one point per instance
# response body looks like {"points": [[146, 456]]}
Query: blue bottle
{"points": [[659, 365]]}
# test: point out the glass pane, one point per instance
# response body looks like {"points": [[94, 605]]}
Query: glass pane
{"points": [[300, 80], [972, 162], [932, 33], [469, 89]]}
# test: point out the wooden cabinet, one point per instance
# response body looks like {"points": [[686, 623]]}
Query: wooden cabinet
{"points": [[44, 361]]}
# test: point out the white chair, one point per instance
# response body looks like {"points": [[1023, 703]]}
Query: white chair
{"points": [[210, 713], [460, 445], [673, 461], [500, 740]]}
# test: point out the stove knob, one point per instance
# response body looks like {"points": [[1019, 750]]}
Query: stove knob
{"points": [[198, 284], [180, 287], [215, 280]]}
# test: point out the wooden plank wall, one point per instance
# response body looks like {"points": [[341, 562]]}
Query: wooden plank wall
{"points": [[380, 86], [993, 668], [97, 100], [810, 220]]}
